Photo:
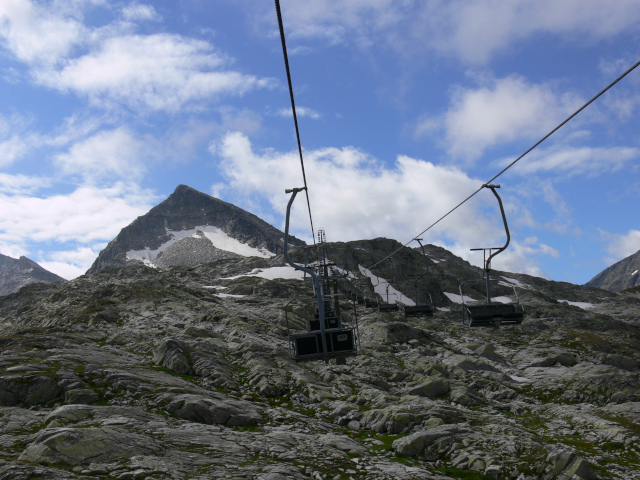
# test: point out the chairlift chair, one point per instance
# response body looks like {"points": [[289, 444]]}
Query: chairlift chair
{"points": [[488, 313], [387, 306], [419, 309], [326, 337]]}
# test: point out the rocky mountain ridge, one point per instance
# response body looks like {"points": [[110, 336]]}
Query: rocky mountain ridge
{"points": [[185, 373], [16, 273], [619, 276], [190, 228]]}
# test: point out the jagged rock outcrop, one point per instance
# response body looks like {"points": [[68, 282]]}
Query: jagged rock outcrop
{"points": [[190, 228], [185, 372], [619, 276], [16, 273]]}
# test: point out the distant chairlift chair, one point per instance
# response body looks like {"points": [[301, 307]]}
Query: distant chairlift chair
{"points": [[326, 337], [492, 314], [387, 306], [418, 309]]}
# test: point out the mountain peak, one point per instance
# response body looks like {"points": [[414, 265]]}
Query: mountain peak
{"points": [[186, 189], [619, 276], [190, 228], [16, 273]]}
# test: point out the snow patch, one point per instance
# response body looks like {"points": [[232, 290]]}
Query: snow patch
{"points": [[271, 273], [216, 236], [501, 299], [634, 273], [583, 305], [458, 299], [227, 295], [380, 287], [511, 282], [520, 379]]}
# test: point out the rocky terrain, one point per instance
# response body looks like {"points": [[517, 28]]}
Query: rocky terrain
{"points": [[619, 276], [190, 228], [16, 273], [185, 373]]}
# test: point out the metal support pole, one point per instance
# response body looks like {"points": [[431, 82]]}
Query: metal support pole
{"points": [[491, 255]]}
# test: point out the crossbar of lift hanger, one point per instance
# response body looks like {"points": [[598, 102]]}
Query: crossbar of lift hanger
{"points": [[514, 162]]}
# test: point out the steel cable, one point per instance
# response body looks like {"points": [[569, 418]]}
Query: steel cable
{"points": [[293, 108]]}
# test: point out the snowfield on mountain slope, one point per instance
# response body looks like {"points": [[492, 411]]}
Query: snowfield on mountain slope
{"points": [[216, 236]]}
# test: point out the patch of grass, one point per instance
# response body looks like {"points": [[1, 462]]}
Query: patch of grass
{"points": [[623, 422], [463, 474], [309, 412], [191, 378], [404, 459]]}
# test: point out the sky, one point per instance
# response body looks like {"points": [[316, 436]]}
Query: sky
{"points": [[405, 108]]}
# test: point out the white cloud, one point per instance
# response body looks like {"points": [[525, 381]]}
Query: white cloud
{"points": [[475, 31], [138, 11], [35, 33], [107, 154], [519, 257], [354, 196], [70, 264], [505, 110], [571, 161], [11, 150], [154, 72], [622, 245], [112, 66], [12, 250], [300, 112], [86, 215], [15, 140], [21, 184], [472, 31]]}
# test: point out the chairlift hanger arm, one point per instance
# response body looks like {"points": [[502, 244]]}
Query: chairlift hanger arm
{"points": [[504, 220], [294, 191]]}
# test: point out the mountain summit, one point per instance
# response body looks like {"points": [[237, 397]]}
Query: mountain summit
{"points": [[619, 276], [190, 228], [16, 273]]}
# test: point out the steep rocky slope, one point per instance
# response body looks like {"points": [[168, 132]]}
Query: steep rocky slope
{"points": [[16, 273], [619, 276], [185, 373], [190, 228]]}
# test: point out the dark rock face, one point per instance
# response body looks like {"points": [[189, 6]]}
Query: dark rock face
{"points": [[619, 276], [187, 209], [15, 274]]}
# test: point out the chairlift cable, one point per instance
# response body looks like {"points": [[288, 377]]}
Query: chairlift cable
{"points": [[293, 108], [512, 163]]}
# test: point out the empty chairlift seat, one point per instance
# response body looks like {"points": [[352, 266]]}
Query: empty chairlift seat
{"points": [[417, 310], [494, 314], [326, 337], [338, 342], [491, 313]]}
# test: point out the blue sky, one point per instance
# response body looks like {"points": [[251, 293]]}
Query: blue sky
{"points": [[405, 107]]}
